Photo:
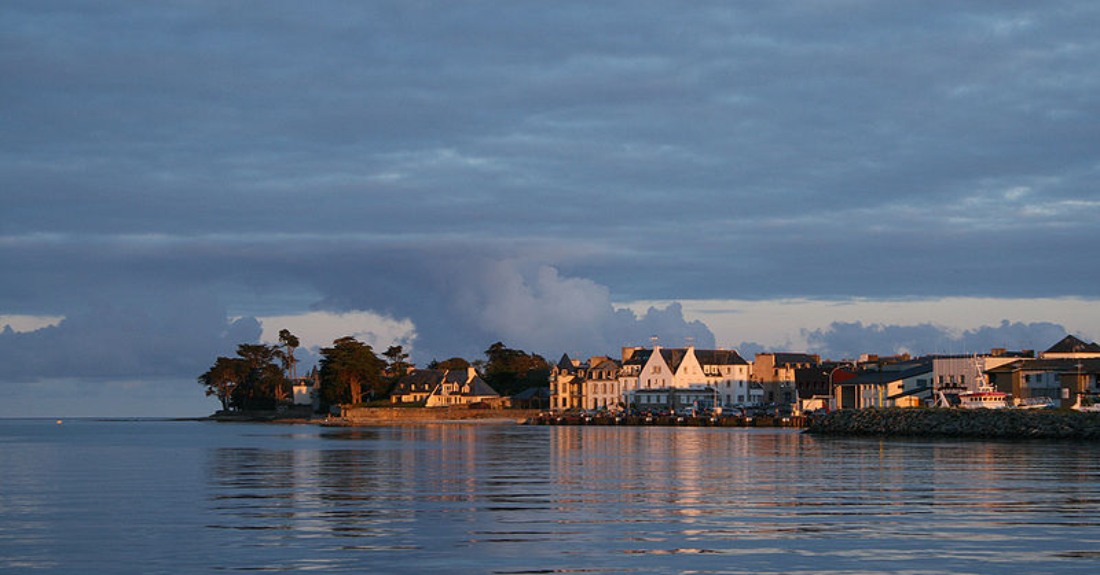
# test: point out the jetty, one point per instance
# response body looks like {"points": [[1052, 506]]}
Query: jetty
{"points": [[960, 423]]}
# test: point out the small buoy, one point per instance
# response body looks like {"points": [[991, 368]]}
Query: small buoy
{"points": [[59, 422]]}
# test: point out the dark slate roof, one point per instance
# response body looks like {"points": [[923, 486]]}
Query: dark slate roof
{"points": [[719, 357], [786, 358], [1070, 344], [479, 387], [419, 380], [458, 376], [533, 393], [885, 377], [565, 364], [640, 357], [1066, 364], [673, 357], [606, 365]]}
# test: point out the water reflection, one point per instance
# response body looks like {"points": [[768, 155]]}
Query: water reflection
{"points": [[508, 499]]}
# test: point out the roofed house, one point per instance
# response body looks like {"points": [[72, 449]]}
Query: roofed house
{"points": [[594, 384], [815, 384], [723, 375], [532, 398], [1071, 380], [728, 373], [776, 373], [905, 384], [462, 387], [417, 385], [1071, 347]]}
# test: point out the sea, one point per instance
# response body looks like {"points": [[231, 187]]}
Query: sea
{"points": [[148, 496]]}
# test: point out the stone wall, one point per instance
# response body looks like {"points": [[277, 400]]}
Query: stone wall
{"points": [[975, 423], [391, 415]]}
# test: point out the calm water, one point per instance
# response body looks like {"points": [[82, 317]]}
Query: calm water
{"points": [[129, 497]]}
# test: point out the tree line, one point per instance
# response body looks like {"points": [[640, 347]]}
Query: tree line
{"points": [[261, 376]]}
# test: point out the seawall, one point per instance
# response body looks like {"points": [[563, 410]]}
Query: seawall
{"points": [[972, 423], [413, 415]]}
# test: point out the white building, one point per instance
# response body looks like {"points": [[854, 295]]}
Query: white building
{"points": [[724, 372], [966, 373]]}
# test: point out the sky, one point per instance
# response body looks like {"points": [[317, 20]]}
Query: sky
{"points": [[839, 177]]}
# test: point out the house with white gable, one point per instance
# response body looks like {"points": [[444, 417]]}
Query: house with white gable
{"points": [[728, 373], [722, 376], [461, 387]]}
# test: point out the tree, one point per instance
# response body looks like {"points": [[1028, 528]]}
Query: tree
{"points": [[288, 343], [251, 380], [396, 356], [510, 371], [453, 364], [223, 379], [265, 384], [349, 369]]}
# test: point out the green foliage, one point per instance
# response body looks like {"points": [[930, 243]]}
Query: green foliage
{"points": [[252, 380], [510, 371], [288, 342], [453, 364], [223, 379], [396, 364], [350, 372]]}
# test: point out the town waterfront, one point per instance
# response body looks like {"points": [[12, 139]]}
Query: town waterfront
{"points": [[172, 496]]}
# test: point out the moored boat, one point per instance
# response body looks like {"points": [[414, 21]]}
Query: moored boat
{"points": [[984, 398]]}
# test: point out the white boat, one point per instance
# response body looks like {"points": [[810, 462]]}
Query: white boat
{"points": [[984, 398], [1037, 403]]}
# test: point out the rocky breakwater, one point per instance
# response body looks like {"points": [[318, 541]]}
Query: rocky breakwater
{"points": [[973, 423]]}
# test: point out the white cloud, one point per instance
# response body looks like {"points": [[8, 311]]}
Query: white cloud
{"points": [[320, 328], [25, 323]]}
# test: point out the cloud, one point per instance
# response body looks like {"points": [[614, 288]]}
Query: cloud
{"points": [[503, 170], [721, 151], [165, 335], [847, 340], [319, 329], [460, 305]]}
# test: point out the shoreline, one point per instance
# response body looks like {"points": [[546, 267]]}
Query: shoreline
{"points": [[384, 416]]}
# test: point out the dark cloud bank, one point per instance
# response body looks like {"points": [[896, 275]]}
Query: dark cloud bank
{"points": [[459, 307], [847, 340], [173, 336], [506, 170]]}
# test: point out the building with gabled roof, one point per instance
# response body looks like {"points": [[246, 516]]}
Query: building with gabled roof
{"points": [[436, 387], [417, 385], [461, 387], [1071, 347], [590, 385], [904, 384], [776, 374], [1067, 379], [722, 374]]}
